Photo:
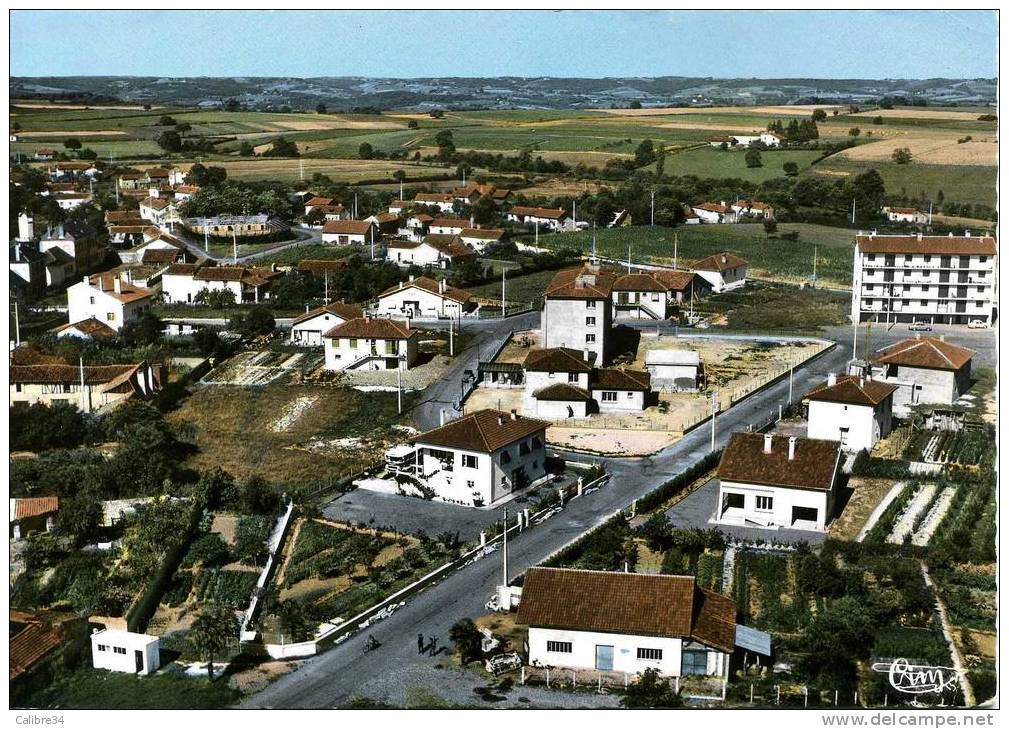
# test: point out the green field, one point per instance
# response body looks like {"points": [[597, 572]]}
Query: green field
{"points": [[710, 161], [959, 183], [774, 258]]}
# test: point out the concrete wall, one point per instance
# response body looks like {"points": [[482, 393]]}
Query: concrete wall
{"points": [[533, 463], [653, 304], [583, 650], [627, 401], [558, 409], [116, 651]]}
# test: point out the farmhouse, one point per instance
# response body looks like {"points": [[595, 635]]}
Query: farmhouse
{"points": [[321, 268], [722, 271], [905, 215], [653, 294], [549, 218], [578, 310], [349, 232], [944, 279], [926, 371], [436, 250], [45, 154], [42, 642], [370, 344], [442, 201], [30, 516], [678, 370], [626, 622], [398, 207], [71, 200], [771, 139], [479, 238], [712, 212], [107, 298], [184, 282], [424, 298], [318, 202], [478, 459], [776, 482], [90, 388], [752, 209], [126, 652], [307, 329], [447, 226], [416, 226], [855, 411]]}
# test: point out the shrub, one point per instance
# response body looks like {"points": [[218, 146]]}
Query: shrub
{"points": [[250, 539], [209, 550]]}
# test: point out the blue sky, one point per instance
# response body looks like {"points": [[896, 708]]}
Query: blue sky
{"points": [[762, 44]]}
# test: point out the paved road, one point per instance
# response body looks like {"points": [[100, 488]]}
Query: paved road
{"points": [[304, 238], [345, 671]]}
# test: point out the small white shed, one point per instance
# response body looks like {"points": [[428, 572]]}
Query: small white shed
{"points": [[126, 652]]}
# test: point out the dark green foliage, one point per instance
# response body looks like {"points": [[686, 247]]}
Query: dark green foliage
{"points": [[210, 550], [917, 645], [282, 147], [144, 330], [467, 640], [232, 588], [179, 588], [324, 551], [39, 427], [254, 323], [250, 539], [650, 691], [204, 176], [96, 689]]}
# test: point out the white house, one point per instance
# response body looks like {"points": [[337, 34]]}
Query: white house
{"points": [[434, 250], [447, 226], [480, 238], [71, 200], [723, 271], [654, 294], [674, 369], [776, 482], [855, 411], [107, 298], [617, 390], [371, 344], [307, 329], [557, 383], [183, 282], [771, 139], [398, 207], [752, 209], [546, 218], [158, 210], [90, 388], [926, 371], [424, 298], [905, 215], [33, 515], [578, 310], [478, 459], [126, 652], [626, 622], [349, 232], [444, 202], [712, 212]]}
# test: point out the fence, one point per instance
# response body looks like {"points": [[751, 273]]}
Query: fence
{"points": [[273, 543], [386, 607]]}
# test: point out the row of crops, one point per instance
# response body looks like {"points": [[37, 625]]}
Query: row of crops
{"points": [[966, 448]]}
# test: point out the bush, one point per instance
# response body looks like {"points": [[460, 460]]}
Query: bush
{"points": [[210, 550], [250, 539]]}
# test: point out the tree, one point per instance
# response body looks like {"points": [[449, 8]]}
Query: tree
{"points": [[770, 227], [294, 620], [645, 153], [753, 159], [650, 691], [212, 630], [365, 151], [869, 193], [169, 141], [79, 517], [183, 127], [877, 120], [72, 143], [245, 149], [657, 533], [207, 340], [320, 108], [635, 105], [258, 497], [484, 210], [217, 299], [791, 169], [901, 155], [412, 124], [145, 329], [854, 132], [232, 105], [436, 113], [166, 121], [819, 115], [467, 639], [399, 175], [255, 323], [203, 176], [445, 142], [282, 147]]}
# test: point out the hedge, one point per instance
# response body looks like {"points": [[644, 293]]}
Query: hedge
{"points": [[676, 484]]}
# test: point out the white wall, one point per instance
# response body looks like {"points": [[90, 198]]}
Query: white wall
{"points": [[583, 650], [81, 307], [627, 401], [418, 303], [864, 424], [557, 409], [538, 380], [309, 332], [783, 501], [115, 650], [340, 353]]}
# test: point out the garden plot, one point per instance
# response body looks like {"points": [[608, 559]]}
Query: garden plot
{"points": [[934, 517], [907, 519], [869, 500], [261, 368]]}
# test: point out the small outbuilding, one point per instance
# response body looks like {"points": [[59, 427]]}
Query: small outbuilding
{"points": [[126, 652]]}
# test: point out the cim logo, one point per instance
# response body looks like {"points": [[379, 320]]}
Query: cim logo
{"points": [[911, 679]]}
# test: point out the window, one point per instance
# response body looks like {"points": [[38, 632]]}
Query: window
{"points": [[92, 299], [694, 663], [649, 654], [352, 343], [590, 305], [17, 388], [524, 449], [590, 321], [506, 457], [609, 396], [111, 316], [764, 503], [468, 461], [119, 649], [558, 646], [102, 648], [470, 484], [982, 259], [630, 395], [590, 338], [572, 377]]}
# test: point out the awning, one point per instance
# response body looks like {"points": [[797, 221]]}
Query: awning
{"points": [[756, 641]]}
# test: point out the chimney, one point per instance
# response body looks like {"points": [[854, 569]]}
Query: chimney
{"points": [[791, 448], [919, 235], [87, 280], [117, 284], [515, 415], [586, 355], [831, 379], [441, 417], [401, 285], [500, 419], [767, 442], [967, 233], [408, 323], [441, 286], [411, 278], [101, 282], [861, 382]]}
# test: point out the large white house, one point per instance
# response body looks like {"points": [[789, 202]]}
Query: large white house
{"points": [[562, 383], [777, 482], [350, 232], [447, 226], [107, 298], [184, 282], [443, 201], [926, 371], [626, 622], [654, 294], [855, 411], [478, 459], [436, 250], [424, 298], [309, 328], [546, 218], [938, 279], [714, 212], [578, 310], [370, 344], [480, 238], [126, 652], [723, 271]]}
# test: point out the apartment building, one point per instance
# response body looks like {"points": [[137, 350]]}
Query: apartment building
{"points": [[937, 279]]}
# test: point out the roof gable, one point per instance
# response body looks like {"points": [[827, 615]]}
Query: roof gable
{"points": [[484, 431]]}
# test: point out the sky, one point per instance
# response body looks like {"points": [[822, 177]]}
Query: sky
{"points": [[570, 43]]}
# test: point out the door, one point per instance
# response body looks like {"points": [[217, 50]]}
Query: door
{"points": [[139, 659], [604, 657]]}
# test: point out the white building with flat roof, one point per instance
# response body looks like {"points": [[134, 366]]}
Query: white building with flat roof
{"points": [[125, 652]]}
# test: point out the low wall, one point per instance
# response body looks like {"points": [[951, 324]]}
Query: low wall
{"points": [[274, 542]]}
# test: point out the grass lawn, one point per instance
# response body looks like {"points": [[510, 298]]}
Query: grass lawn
{"points": [[775, 308], [711, 162], [771, 258], [316, 252], [959, 183], [527, 289], [93, 689]]}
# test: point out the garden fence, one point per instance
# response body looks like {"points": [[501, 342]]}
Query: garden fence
{"points": [[273, 544]]}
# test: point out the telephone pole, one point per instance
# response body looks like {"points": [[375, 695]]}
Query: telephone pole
{"points": [[714, 410], [234, 246], [676, 243], [814, 266], [653, 208], [502, 293]]}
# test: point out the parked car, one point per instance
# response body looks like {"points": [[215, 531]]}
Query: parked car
{"points": [[919, 326], [977, 324]]}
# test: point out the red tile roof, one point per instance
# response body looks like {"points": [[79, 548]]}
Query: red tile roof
{"points": [[483, 233], [371, 328], [67, 374], [853, 390], [654, 281], [614, 379], [449, 245], [38, 506], [428, 284], [813, 467], [549, 213], [337, 308], [719, 262], [347, 227], [484, 431], [29, 646], [558, 359], [586, 282], [926, 352], [432, 197], [317, 267], [449, 223], [91, 327], [669, 606], [562, 392], [127, 291], [935, 244]]}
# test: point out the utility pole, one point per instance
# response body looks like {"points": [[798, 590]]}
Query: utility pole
{"points": [[854, 341], [17, 326], [399, 390], [852, 211], [504, 550], [814, 266], [326, 294], [537, 233], [355, 206], [371, 232], [451, 339], [206, 238], [714, 409], [401, 189], [593, 243], [234, 244], [653, 208], [301, 168], [676, 244], [628, 258], [791, 371], [930, 212], [574, 216], [502, 293]]}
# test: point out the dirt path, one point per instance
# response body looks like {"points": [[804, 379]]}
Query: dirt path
{"points": [[878, 511], [958, 663]]}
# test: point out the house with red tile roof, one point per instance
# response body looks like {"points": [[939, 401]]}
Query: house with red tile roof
{"points": [[28, 516], [545, 218], [926, 371], [626, 623], [350, 232], [723, 271], [578, 310], [42, 643], [423, 297], [855, 411], [307, 329], [109, 299], [440, 251], [90, 388], [369, 343], [655, 294], [771, 481]]}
